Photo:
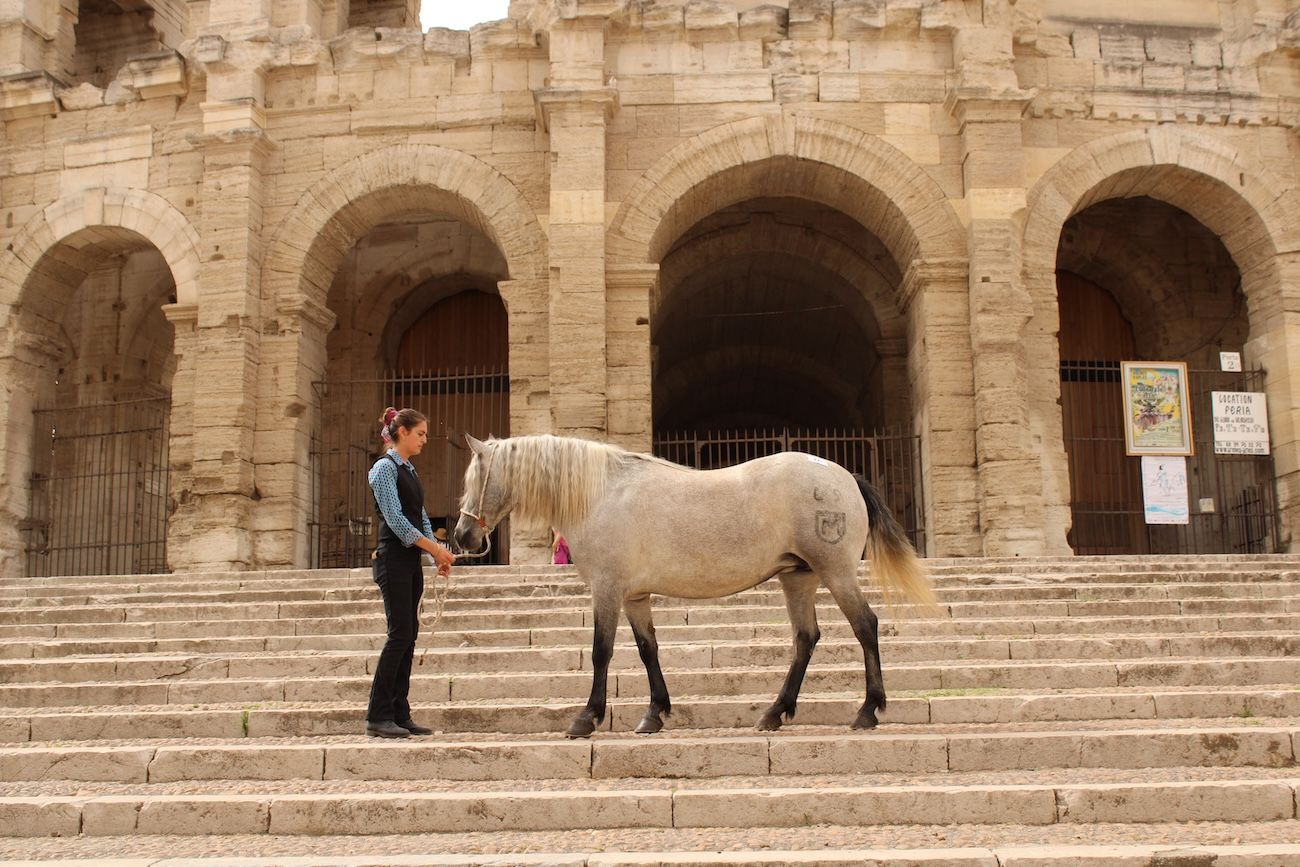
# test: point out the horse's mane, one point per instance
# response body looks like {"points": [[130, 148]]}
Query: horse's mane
{"points": [[550, 480]]}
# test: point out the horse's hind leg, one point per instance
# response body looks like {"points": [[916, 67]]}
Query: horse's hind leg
{"points": [[801, 601], [848, 596], [638, 615], [605, 608]]}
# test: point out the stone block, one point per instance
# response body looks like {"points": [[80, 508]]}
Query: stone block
{"points": [[811, 19], [680, 758], [476, 761], [103, 764], [765, 23], [174, 764], [704, 808], [41, 817], [1228, 801], [844, 755], [447, 813]]}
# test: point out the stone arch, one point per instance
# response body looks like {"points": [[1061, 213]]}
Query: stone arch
{"points": [[107, 215], [50, 256], [390, 181], [1254, 213], [302, 258], [836, 165]]}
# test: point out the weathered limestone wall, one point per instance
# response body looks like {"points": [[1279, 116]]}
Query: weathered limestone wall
{"points": [[574, 144]]}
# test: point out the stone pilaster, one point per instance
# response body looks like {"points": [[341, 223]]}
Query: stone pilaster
{"points": [[630, 289], [575, 118], [988, 108], [26, 359], [180, 443], [935, 299], [216, 511]]}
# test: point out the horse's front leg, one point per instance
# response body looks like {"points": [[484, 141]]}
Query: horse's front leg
{"points": [[605, 608], [638, 615]]}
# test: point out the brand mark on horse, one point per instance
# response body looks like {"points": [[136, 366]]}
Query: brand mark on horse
{"points": [[830, 526]]}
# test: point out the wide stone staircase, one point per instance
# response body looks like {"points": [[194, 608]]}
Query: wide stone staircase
{"points": [[1088, 711]]}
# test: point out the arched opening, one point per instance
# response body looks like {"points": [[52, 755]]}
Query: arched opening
{"points": [[108, 33], [1139, 279], [100, 389], [777, 328], [419, 323]]}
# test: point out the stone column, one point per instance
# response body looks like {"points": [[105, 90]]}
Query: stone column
{"points": [[26, 360], [291, 361], [935, 299], [575, 110], [1275, 348], [37, 36], [180, 435], [630, 290], [987, 104], [214, 515]]}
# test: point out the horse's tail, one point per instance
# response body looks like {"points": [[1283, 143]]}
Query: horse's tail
{"points": [[894, 564]]}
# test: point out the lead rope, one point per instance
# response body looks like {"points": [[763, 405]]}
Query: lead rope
{"points": [[440, 599]]}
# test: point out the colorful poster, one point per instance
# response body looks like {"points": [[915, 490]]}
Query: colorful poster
{"points": [[1240, 423], [1164, 490], [1157, 420]]}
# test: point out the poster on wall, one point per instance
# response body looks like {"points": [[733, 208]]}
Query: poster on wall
{"points": [[1164, 489], [1156, 416], [1240, 422]]}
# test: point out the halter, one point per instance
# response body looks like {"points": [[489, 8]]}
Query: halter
{"points": [[482, 522]]}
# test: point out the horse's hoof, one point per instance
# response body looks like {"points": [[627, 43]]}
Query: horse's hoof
{"points": [[866, 720], [769, 723], [649, 725], [580, 728]]}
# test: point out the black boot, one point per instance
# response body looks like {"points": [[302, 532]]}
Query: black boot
{"points": [[414, 728], [385, 729]]}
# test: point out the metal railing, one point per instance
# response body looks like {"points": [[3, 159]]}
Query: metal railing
{"points": [[1240, 513], [346, 443], [889, 459], [99, 489]]}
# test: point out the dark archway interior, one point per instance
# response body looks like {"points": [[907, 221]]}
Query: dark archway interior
{"points": [[770, 316]]}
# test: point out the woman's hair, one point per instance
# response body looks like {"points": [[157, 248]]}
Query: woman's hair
{"points": [[392, 419]]}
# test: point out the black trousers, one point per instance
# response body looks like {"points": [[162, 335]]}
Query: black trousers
{"points": [[401, 583]]}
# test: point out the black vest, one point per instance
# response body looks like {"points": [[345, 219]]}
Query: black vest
{"points": [[411, 494]]}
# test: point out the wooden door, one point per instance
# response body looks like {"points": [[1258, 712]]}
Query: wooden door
{"points": [[1105, 484]]}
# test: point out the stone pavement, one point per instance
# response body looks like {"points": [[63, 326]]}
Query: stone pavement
{"points": [[1082, 711]]}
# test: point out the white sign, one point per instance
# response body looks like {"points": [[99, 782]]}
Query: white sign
{"points": [[1164, 490], [1230, 361], [1240, 423]]}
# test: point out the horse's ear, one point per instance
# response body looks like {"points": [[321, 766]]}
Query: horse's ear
{"points": [[475, 446]]}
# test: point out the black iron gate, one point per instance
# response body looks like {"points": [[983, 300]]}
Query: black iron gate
{"points": [[1233, 506], [346, 444], [890, 459], [99, 489]]}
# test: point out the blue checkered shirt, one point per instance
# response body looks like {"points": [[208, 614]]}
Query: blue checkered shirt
{"points": [[383, 481]]}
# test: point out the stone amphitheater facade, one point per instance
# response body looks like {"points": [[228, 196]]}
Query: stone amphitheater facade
{"points": [[226, 202]]}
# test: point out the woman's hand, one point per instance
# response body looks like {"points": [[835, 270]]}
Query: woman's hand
{"points": [[442, 558]]}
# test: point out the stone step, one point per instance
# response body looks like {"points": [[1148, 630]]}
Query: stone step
{"points": [[695, 757], [1177, 849], [938, 707], [473, 630], [1231, 585], [372, 638], [1036, 567], [631, 681], [992, 855], [697, 654], [668, 611], [577, 806]]}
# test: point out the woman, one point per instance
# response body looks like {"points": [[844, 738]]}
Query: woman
{"points": [[399, 499]]}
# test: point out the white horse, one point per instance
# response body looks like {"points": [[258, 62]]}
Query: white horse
{"points": [[639, 525]]}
